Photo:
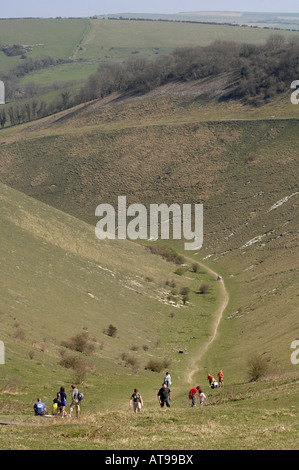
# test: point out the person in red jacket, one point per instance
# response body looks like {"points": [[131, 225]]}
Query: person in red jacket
{"points": [[220, 378], [210, 379], [192, 395]]}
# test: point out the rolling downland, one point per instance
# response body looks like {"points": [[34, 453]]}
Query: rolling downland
{"points": [[175, 144]]}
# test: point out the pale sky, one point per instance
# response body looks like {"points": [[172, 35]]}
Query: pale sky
{"points": [[75, 8]]}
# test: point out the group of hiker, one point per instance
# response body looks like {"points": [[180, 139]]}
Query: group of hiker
{"points": [[59, 404], [192, 396], [164, 393], [136, 401], [202, 397], [213, 383]]}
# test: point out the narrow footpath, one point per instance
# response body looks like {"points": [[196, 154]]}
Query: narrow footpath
{"points": [[195, 362]]}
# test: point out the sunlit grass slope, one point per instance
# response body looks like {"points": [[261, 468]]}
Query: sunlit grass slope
{"points": [[58, 281], [169, 147]]}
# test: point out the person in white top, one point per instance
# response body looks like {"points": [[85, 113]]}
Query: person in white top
{"points": [[202, 396], [167, 379]]}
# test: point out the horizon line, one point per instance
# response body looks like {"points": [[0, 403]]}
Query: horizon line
{"points": [[152, 13]]}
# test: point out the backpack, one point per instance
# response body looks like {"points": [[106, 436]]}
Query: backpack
{"points": [[80, 396]]}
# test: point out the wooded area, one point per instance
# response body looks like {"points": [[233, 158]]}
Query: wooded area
{"points": [[260, 72]]}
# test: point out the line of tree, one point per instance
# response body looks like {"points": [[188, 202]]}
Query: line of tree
{"points": [[30, 110], [261, 71], [270, 21]]}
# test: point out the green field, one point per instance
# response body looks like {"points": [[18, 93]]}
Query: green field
{"points": [[55, 37], [76, 71], [116, 40], [90, 42]]}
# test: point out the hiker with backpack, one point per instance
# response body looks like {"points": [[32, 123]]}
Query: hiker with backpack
{"points": [[61, 401], [77, 397]]}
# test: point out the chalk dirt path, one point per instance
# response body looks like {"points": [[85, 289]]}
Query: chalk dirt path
{"points": [[195, 362]]}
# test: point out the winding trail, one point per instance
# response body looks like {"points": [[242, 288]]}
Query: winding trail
{"points": [[194, 364]]}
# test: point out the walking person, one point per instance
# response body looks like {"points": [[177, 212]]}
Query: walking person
{"points": [[164, 396], [167, 379], [202, 396], [192, 395], [210, 379], [61, 401], [137, 401], [75, 401], [220, 378]]}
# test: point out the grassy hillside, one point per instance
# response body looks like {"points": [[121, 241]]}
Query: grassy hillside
{"points": [[176, 144], [118, 39], [166, 148], [59, 281], [251, 418]]}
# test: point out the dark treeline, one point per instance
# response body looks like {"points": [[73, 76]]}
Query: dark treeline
{"points": [[168, 20], [270, 21], [261, 71], [32, 109]]}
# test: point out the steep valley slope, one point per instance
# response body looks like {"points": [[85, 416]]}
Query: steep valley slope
{"points": [[180, 144]]}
